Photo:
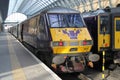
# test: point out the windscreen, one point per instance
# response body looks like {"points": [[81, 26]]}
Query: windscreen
{"points": [[65, 20], [104, 25], [117, 25]]}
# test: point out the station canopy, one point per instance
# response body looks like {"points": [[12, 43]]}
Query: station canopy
{"points": [[32, 7]]}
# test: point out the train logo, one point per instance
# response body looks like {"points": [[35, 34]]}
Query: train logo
{"points": [[72, 34]]}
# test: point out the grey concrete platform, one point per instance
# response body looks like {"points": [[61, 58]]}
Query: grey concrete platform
{"points": [[17, 63], [91, 74], [95, 75]]}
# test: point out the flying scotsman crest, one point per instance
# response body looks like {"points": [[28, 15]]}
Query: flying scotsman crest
{"points": [[72, 34]]}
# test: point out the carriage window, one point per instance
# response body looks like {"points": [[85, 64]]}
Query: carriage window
{"points": [[117, 25], [65, 20], [42, 32], [42, 25], [104, 25]]}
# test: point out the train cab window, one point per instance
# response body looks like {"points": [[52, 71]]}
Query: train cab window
{"points": [[57, 20], [74, 20], [65, 20], [117, 25], [104, 25]]}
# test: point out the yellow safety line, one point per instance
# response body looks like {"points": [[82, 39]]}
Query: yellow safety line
{"points": [[103, 66], [18, 73]]}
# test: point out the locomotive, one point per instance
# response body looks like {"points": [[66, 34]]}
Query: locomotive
{"points": [[104, 27], [60, 38]]}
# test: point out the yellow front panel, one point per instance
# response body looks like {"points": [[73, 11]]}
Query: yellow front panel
{"points": [[65, 50], [117, 33], [64, 34], [100, 41], [69, 35]]}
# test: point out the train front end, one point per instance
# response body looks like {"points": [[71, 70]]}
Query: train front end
{"points": [[70, 41]]}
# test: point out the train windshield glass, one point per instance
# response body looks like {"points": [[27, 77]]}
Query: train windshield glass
{"points": [[117, 25], [104, 25], [65, 20]]}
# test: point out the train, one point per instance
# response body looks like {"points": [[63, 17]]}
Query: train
{"points": [[104, 27], [60, 38]]}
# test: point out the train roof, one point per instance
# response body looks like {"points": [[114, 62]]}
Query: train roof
{"points": [[115, 10], [55, 10], [93, 13], [61, 10], [106, 10]]}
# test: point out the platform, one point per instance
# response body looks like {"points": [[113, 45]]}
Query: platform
{"points": [[97, 75], [17, 63]]}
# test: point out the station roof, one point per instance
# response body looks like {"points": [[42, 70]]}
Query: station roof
{"points": [[32, 7], [3, 9]]}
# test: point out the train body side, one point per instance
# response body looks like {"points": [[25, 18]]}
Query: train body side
{"points": [[14, 30], [96, 27], [104, 28], [115, 29]]}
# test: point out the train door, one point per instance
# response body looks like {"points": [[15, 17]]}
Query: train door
{"points": [[116, 32], [103, 32]]}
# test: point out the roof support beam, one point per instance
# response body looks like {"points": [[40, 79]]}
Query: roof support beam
{"points": [[58, 3], [67, 3], [40, 5], [91, 4], [110, 3], [99, 2], [29, 8], [62, 3], [22, 6], [72, 3], [77, 4], [83, 3]]}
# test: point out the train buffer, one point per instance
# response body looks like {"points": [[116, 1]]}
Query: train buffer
{"points": [[17, 63]]}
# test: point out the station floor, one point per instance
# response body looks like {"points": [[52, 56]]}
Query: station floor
{"points": [[97, 75], [17, 63]]}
